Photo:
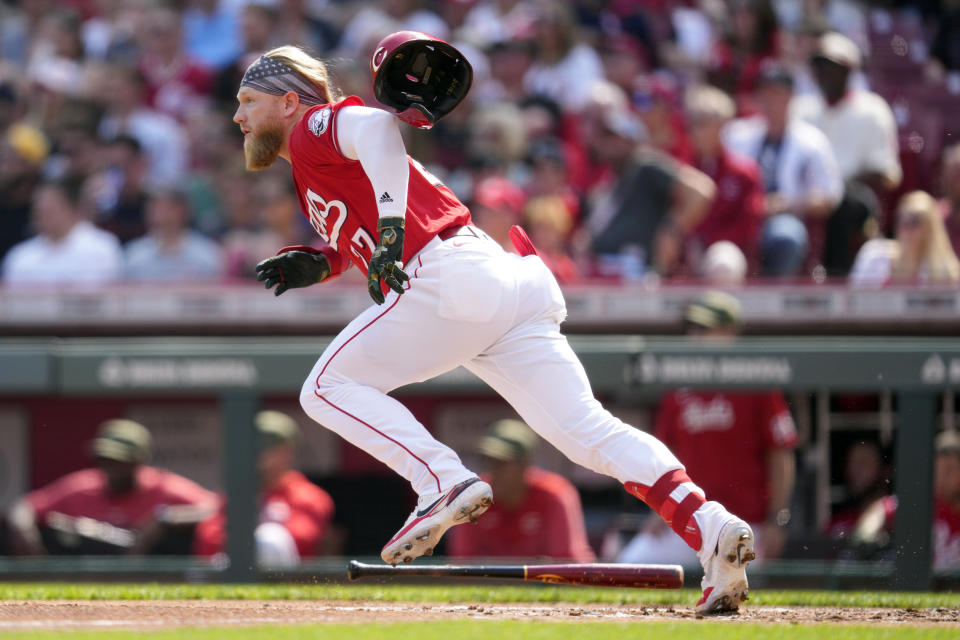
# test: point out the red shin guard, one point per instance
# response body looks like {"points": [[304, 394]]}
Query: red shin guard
{"points": [[674, 502]]}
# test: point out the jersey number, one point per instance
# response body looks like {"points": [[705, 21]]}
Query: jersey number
{"points": [[327, 219]]}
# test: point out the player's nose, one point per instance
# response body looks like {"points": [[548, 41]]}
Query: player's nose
{"points": [[237, 116]]}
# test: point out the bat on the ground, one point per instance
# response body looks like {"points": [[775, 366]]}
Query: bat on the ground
{"points": [[639, 576]]}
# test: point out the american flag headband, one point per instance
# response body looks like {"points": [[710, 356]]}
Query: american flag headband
{"points": [[273, 77]]}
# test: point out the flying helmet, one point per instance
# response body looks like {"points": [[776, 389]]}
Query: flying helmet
{"points": [[420, 77]]}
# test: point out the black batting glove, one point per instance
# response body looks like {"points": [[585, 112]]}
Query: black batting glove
{"points": [[385, 261], [293, 269]]}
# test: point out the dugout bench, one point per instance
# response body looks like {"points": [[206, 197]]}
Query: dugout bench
{"points": [[240, 370]]}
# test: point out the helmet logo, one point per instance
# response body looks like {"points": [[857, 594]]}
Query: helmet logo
{"points": [[378, 57]]}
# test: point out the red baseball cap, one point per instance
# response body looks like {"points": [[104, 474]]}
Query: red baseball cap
{"points": [[499, 193]]}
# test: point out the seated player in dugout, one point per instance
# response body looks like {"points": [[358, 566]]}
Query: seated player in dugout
{"points": [[707, 427], [537, 513], [295, 514], [120, 506], [445, 295]]}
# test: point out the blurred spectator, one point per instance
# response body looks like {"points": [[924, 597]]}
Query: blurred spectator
{"points": [[623, 58], [171, 250], [549, 176], [636, 221], [751, 40], [258, 23], [863, 133], [56, 63], [211, 32], [120, 506], [946, 516], [176, 82], [295, 514], [492, 22], [497, 206], [67, 248], [706, 428], [162, 138], [655, 97], [559, 57], [509, 62], [375, 20], [736, 213], [548, 222], [270, 219], [800, 175], [118, 192], [23, 149], [76, 147], [866, 484], [535, 514], [920, 253], [950, 183]]}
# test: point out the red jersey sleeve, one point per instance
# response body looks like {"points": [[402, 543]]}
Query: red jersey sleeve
{"points": [[210, 535], [779, 430], [175, 489], [61, 494]]}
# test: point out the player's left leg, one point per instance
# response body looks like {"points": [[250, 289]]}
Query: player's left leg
{"points": [[536, 371], [451, 311]]}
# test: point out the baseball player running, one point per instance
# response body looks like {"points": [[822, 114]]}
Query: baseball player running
{"points": [[446, 295]]}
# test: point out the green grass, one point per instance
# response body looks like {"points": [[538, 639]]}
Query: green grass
{"points": [[456, 593], [518, 630]]}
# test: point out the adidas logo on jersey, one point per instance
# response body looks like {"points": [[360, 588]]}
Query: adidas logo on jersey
{"points": [[385, 198]]}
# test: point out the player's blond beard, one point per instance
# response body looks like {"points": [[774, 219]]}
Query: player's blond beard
{"points": [[262, 149]]}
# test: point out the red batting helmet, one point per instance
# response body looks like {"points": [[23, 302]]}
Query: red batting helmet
{"points": [[420, 77]]}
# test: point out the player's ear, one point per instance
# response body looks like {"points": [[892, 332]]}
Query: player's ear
{"points": [[291, 101]]}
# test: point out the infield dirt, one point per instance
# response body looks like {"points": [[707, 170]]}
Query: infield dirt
{"points": [[165, 614]]}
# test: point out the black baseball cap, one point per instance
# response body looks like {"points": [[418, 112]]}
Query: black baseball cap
{"points": [[714, 310]]}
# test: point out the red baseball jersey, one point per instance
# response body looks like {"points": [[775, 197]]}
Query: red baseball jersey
{"points": [[723, 439], [337, 198], [84, 494], [549, 524], [299, 505]]}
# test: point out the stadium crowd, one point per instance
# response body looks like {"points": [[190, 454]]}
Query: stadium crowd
{"points": [[634, 139]]}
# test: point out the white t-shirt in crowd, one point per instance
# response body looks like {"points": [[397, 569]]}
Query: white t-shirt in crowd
{"points": [[806, 166], [86, 255], [874, 263], [569, 81], [861, 129]]}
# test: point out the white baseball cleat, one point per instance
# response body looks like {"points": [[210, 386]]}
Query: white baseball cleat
{"points": [[724, 571], [433, 515]]}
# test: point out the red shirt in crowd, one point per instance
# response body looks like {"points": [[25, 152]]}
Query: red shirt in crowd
{"points": [[737, 211], [710, 431], [84, 494], [337, 198], [946, 535], [299, 505], [549, 523], [178, 88]]}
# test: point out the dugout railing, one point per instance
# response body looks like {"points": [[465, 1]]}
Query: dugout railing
{"points": [[918, 372]]}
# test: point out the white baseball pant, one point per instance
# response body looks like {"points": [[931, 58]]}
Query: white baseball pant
{"points": [[471, 303]]}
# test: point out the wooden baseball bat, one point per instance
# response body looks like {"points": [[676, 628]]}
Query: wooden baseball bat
{"points": [[639, 576]]}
